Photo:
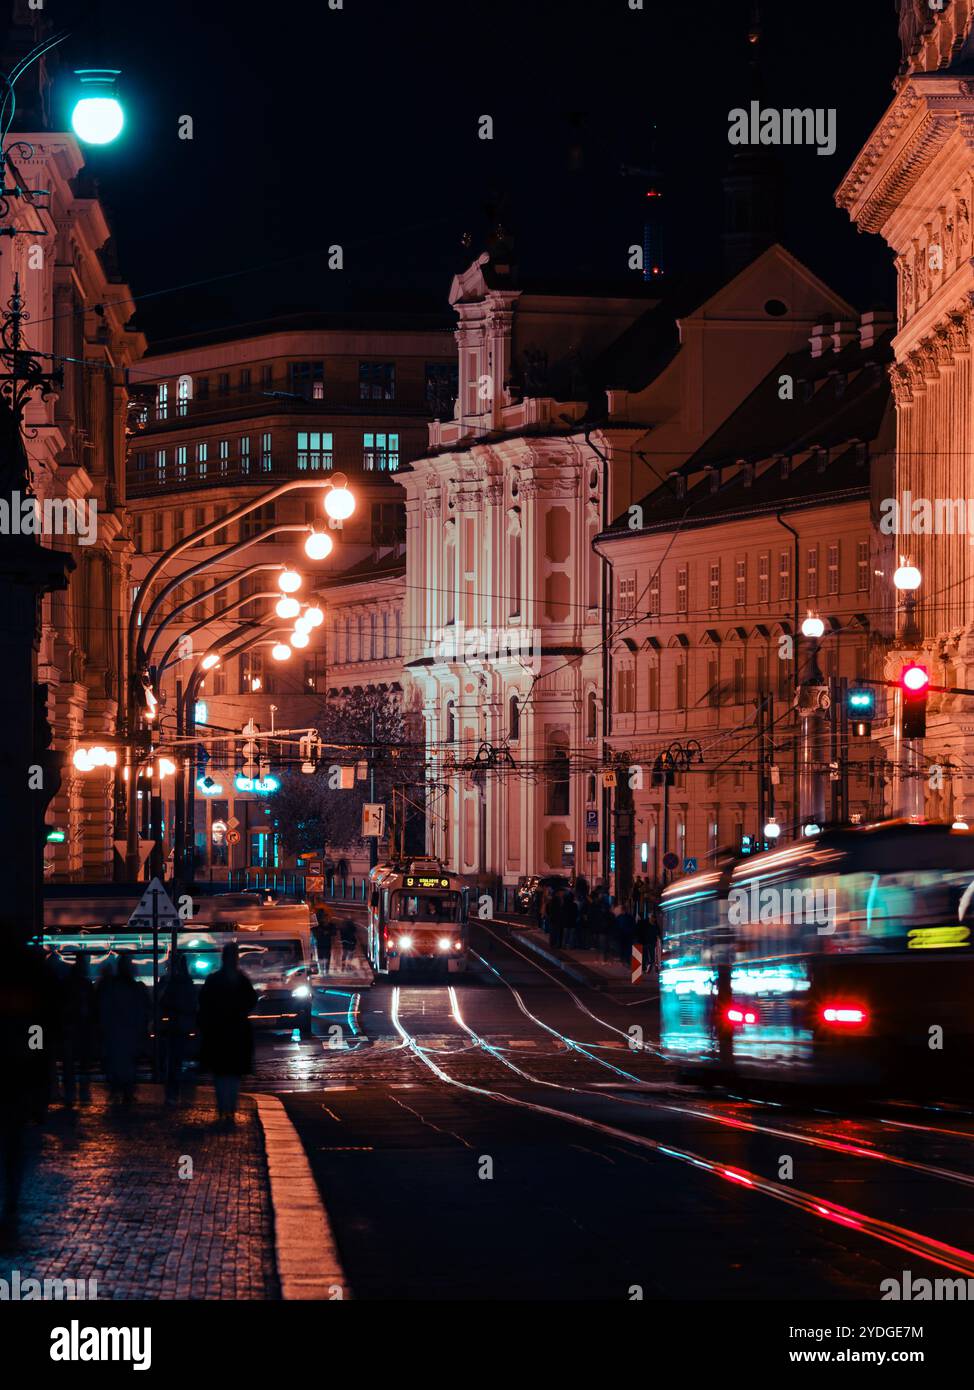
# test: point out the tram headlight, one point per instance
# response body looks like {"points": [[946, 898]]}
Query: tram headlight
{"points": [[302, 992], [405, 943], [444, 943]]}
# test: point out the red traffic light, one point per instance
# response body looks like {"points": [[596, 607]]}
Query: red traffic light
{"points": [[914, 678]]}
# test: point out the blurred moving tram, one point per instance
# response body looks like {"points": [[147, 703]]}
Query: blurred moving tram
{"points": [[844, 959], [417, 918]]}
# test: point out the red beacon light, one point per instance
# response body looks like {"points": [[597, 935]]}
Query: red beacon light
{"points": [[739, 1016], [845, 1015]]}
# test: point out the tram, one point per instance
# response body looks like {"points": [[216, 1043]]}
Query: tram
{"points": [[843, 959], [417, 918]]}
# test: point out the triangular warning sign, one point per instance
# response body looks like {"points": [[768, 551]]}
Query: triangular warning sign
{"points": [[145, 849], [165, 907]]}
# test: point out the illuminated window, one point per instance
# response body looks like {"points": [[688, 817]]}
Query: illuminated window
{"points": [[627, 596], [160, 465], [181, 462], [764, 578], [834, 568], [380, 453], [266, 463], [201, 450], [784, 575], [441, 387], [183, 388], [862, 566], [315, 451], [740, 581], [681, 590], [162, 401], [224, 451], [308, 380], [811, 573], [654, 596], [245, 453], [714, 596]]}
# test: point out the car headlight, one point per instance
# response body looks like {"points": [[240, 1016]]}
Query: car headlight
{"points": [[302, 992], [444, 943], [405, 943]]}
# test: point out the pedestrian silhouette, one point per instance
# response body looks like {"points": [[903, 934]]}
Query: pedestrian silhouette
{"points": [[77, 1031], [178, 1006], [226, 1037], [324, 931], [124, 1010]]}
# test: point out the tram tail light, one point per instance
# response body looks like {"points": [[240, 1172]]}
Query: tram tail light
{"points": [[844, 1015], [739, 1016]]}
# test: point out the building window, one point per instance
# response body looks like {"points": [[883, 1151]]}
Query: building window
{"points": [[217, 680], [764, 578], [158, 532], [162, 401], [266, 458], [451, 721], [681, 686], [385, 633], [256, 521], [681, 590], [513, 719], [713, 683], [627, 596], [380, 453], [740, 581], [398, 634], [224, 457], [315, 451], [201, 460], [223, 384], [245, 453], [243, 385], [626, 690], [251, 672], [311, 673], [181, 463], [811, 573], [738, 680], [183, 388], [267, 376], [377, 381], [862, 566], [202, 388], [514, 559], [784, 576], [834, 568], [308, 380], [762, 675], [441, 387], [160, 465], [654, 596], [591, 715], [652, 689], [714, 595], [178, 524], [388, 523], [558, 783]]}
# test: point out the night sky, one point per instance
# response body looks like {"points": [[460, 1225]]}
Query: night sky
{"points": [[359, 126]]}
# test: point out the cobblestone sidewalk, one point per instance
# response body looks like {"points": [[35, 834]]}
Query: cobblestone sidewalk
{"points": [[154, 1203]]}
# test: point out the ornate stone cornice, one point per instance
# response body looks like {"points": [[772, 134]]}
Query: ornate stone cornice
{"points": [[925, 113]]}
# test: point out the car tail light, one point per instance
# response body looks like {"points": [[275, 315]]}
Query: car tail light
{"points": [[844, 1015], [740, 1016]]}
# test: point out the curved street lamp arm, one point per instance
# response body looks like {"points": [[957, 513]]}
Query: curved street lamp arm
{"points": [[183, 607], [165, 664], [192, 572]]}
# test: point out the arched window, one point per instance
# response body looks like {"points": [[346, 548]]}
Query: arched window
{"points": [[515, 573], [373, 650], [385, 633], [591, 715], [451, 721], [398, 634], [514, 718], [558, 782]]}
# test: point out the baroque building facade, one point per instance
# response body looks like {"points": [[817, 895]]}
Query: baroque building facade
{"points": [[913, 184], [79, 313], [570, 406]]}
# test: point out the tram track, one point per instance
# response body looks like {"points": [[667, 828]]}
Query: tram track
{"points": [[911, 1242]]}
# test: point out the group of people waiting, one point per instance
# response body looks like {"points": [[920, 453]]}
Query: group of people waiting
{"points": [[577, 918]]}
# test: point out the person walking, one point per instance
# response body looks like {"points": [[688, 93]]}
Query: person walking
{"points": [[349, 939], [226, 1036], [570, 921], [124, 1009], [77, 1031], [178, 1008], [324, 937], [625, 932]]}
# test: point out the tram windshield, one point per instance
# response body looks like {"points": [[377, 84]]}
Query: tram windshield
{"points": [[425, 907]]}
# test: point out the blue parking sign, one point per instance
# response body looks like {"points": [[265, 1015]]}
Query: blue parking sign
{"points": [[689, 866]]}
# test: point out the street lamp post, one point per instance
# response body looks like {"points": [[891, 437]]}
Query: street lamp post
{"points": [[907, 752], [813, 700]]}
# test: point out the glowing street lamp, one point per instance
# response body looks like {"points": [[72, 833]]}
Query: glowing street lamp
{"points": [[287, 607], [280, 651], [318, 546], [907, 578], [314, 616], [209, 661], [289, 581], [299, 639], [772, 829], [813, 627], [339, 502], [97, 118]]}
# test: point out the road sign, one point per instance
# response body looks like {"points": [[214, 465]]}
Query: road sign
{"points": [[233, 837], [373, 820], [314, 883], [670, 860], [232, 822], [591, 820], [145, 849], [689, 866], [155, 903], [637, 964]]}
